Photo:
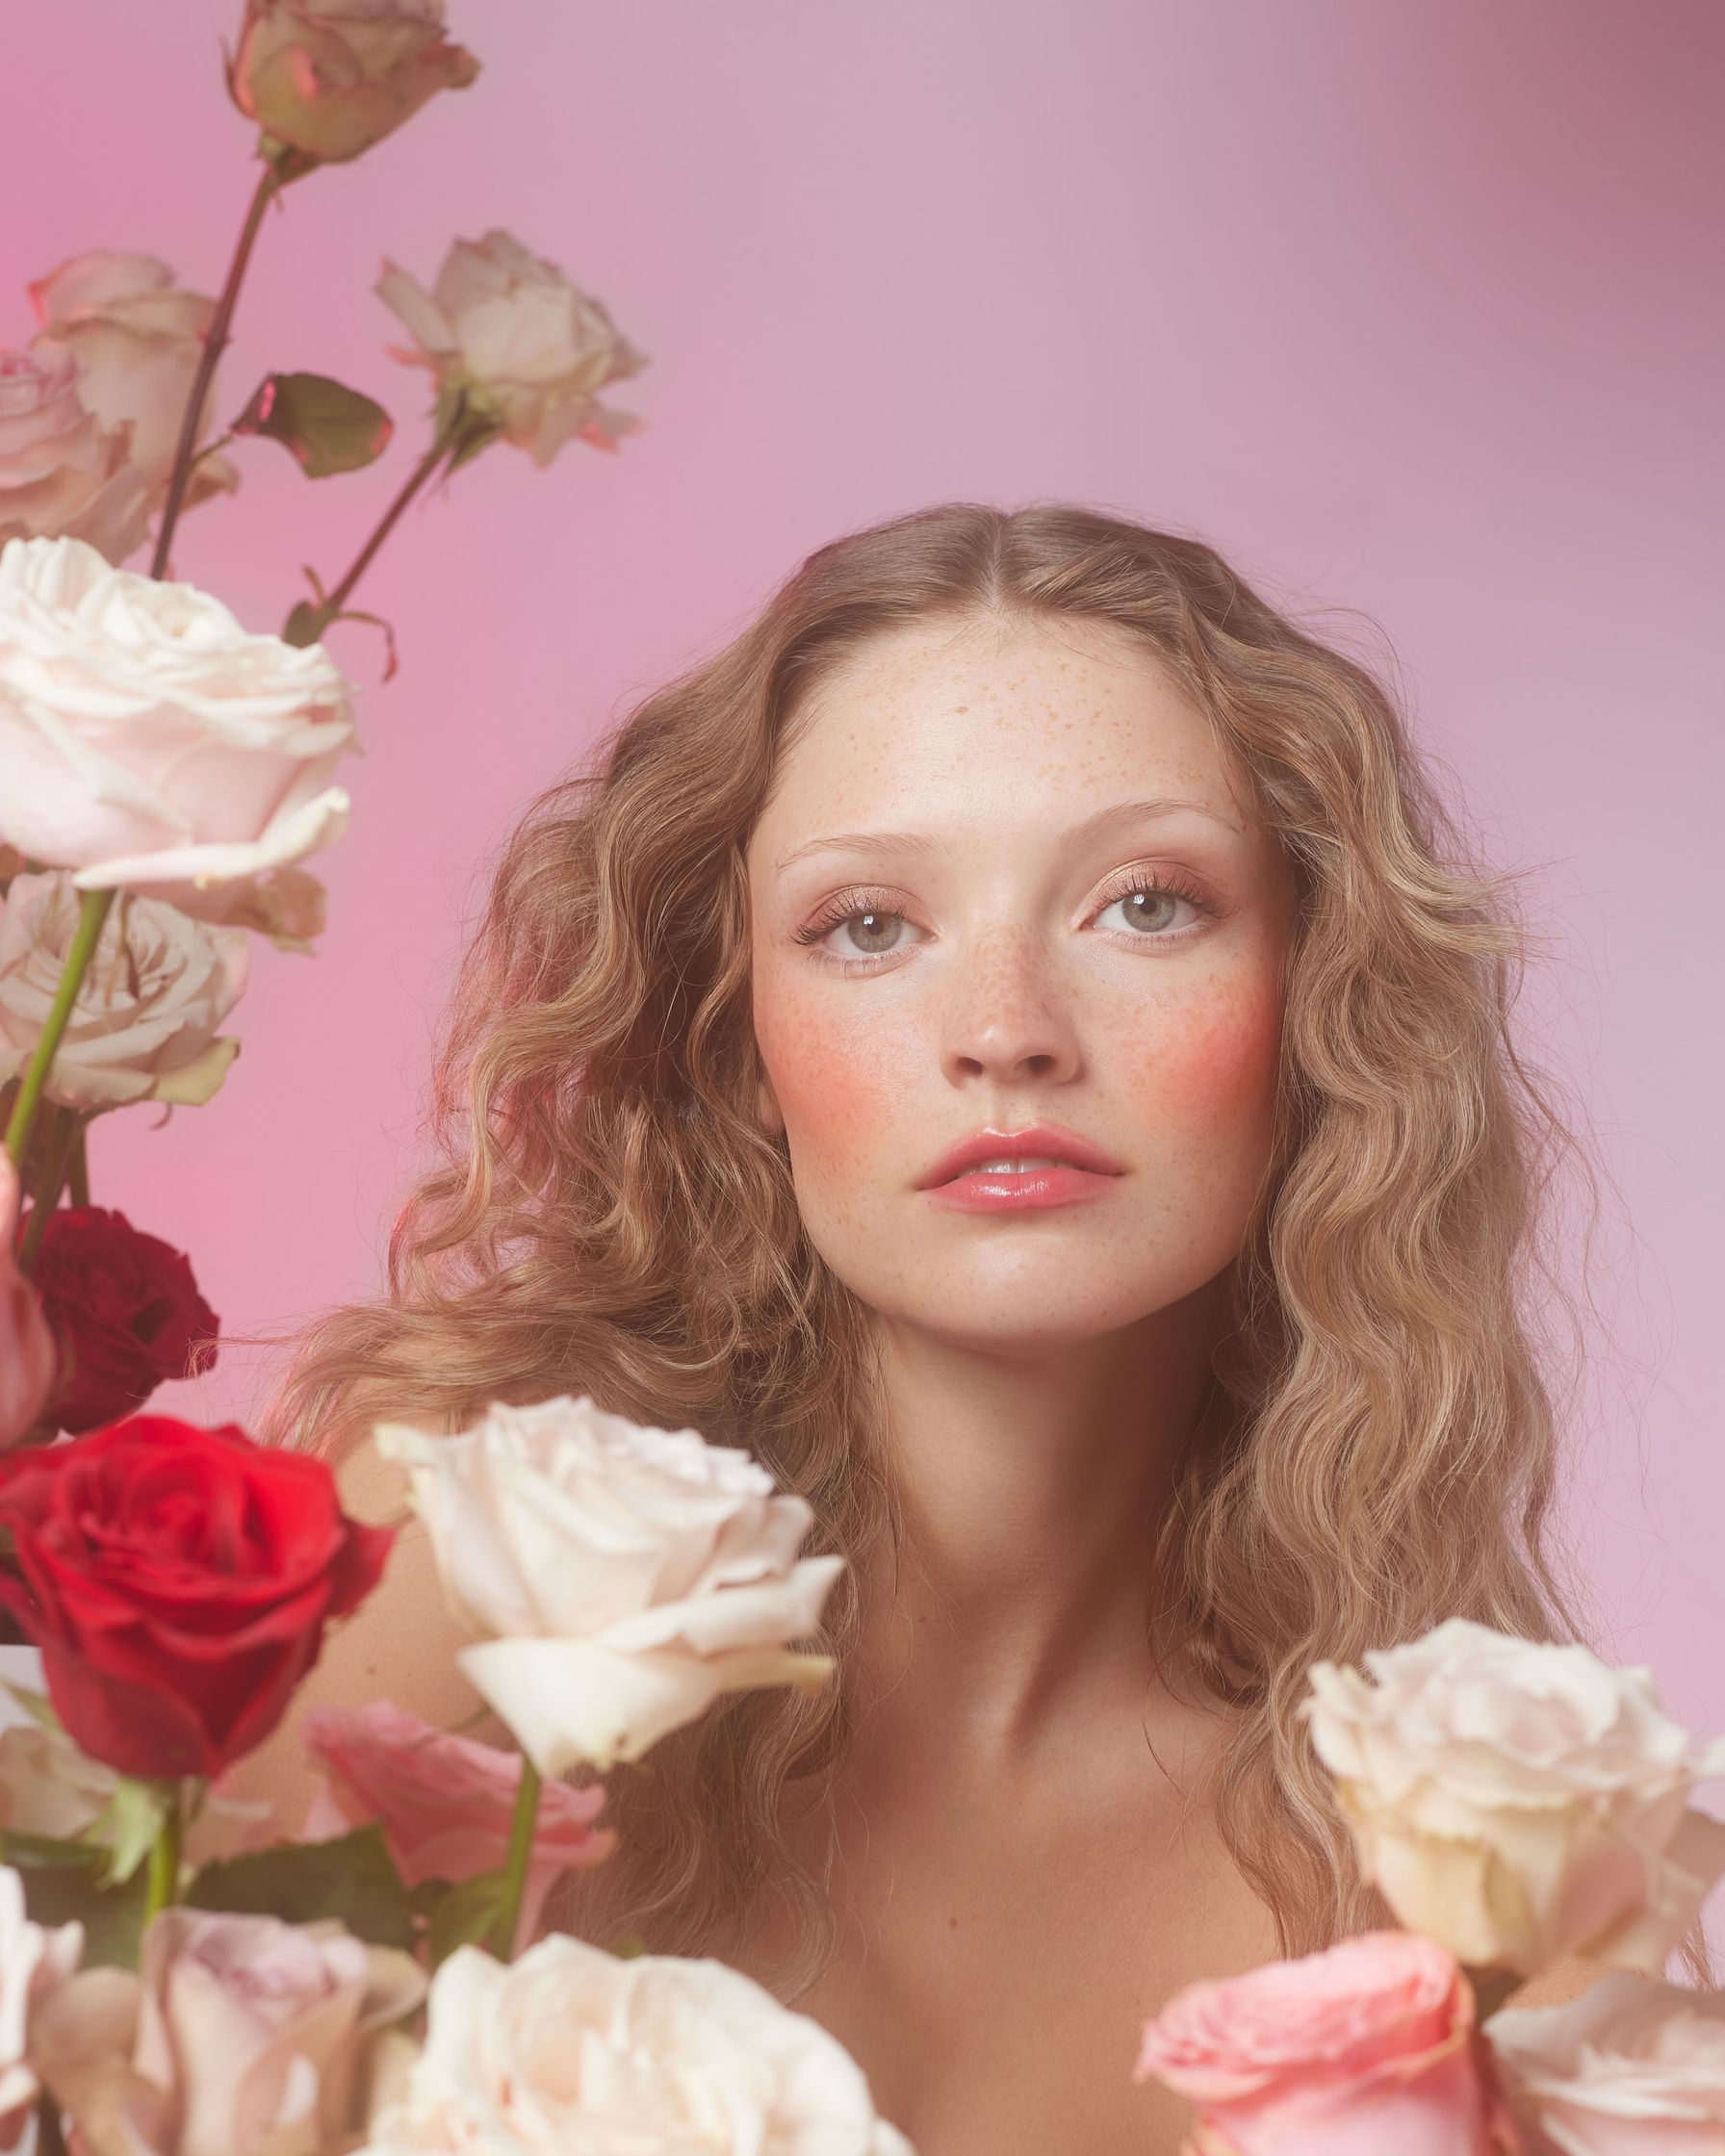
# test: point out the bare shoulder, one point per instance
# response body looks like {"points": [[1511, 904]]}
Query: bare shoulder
{"points": [[398, 1645]]}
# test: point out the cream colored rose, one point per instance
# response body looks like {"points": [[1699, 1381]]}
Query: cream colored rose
{"points": [[1628, 2067], [331, 77], [61, 470], [34, 1964], [145, 1022], [240, 2033], [139, 340], [627, 1575], [530, 348], [1519, 1800], [148, 740], [573, 2049]]}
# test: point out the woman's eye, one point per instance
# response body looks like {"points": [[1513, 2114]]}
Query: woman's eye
{"points": [[1149, 909], [869, 931]]}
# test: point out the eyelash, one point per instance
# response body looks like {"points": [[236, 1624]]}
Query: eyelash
{"points": [[845, 906]]}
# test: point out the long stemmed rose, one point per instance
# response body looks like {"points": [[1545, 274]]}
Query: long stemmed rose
{"points": [[623, 1577]]}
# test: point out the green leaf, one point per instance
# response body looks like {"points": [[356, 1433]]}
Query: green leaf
{"points": [[129, 1824], [62, 1885], [466, 1916], [328, 427], [351, 1877]]}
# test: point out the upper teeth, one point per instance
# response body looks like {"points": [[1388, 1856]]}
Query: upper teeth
{"points": [[1009, 1167]]}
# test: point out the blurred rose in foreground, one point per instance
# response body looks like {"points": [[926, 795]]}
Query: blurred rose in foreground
{"points": [[1520, 1801], [149, 740], [125, 1309], [29, 1359], [145, 1024], [529, 349], [627, 1575], [331, 77], [445, 1803], [1629, 2067], [139, 340], [62, 472], [34, 1962]]}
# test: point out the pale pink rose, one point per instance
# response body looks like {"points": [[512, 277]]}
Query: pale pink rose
{"points": [[62, 472], [530, 348], [29, 1359], [145, 1023], [445, 1803], [1366, 2047], [34, 1964], [572, 2049], [1628, 2067], [288, 906], [627, 1576], [140, 339], [240, 2033], [1520, 1801], [148, 740], [331, 77]]}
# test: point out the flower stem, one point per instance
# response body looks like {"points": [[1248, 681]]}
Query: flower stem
{"points": [[317, 619], [215, 339], [515, 1864], [163, 1886], [92, 914], [67, 1124]]}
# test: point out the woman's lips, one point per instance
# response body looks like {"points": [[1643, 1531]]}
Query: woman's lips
{"points": [[1031, 1190]]}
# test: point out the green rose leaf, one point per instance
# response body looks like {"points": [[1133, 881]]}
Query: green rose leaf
{"points": [[328, 427], [62, 1885], [351, 1877], [466, 1916]]}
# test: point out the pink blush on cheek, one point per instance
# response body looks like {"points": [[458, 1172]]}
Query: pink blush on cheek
{"points": [[1214, 1067], [842, 1098]]}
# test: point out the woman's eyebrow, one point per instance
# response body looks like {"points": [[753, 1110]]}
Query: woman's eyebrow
{"points": [[921, 842]]}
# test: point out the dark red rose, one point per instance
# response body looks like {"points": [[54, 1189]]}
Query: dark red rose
{"points": [[177, 1582], [125, 1309]]}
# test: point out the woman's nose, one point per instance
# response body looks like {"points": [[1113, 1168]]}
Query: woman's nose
{"points": [[1008, 1014]]}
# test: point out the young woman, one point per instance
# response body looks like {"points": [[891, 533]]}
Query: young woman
{"points": [[1014, 1041]]}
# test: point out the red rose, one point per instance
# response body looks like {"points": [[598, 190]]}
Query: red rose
{"points": [[177, 1582], [126, 1312]]}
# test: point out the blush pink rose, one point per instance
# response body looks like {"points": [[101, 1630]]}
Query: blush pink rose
{"points": [[63, 473], [1367, 2047], [445, 1803], [29, 1360]]}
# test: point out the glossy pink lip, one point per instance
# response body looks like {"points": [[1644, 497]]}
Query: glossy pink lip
{"points": [[1037, 1141]]}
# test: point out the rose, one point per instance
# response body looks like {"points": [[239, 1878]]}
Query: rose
{"points": [[1365, 2048], [1519, 1800], [29, 1358], [148, 740], [288, 906], [126, 1311], [144, 1026], [627, 1575], [177, 1582], [1627, 2068], [49, 1788], [239, 2033], [572, 2047], [528, 349], [61, 470], [141, 341], [331, 77], [34, 1962], [445, 1804]]}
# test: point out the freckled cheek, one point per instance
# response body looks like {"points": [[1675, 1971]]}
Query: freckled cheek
{"points": [[840, 1089], [1206, 1069]]}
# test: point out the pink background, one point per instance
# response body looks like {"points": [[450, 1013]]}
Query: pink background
{"points": [[1413, 310]]}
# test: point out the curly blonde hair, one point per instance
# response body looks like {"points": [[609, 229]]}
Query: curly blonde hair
{"points": [[1378, 1450]]}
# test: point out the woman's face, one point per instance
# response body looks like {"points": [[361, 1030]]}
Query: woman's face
{"points": [[1026, 937]]}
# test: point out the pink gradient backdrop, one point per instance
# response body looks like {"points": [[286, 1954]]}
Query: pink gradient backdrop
{"points": [[1413, 310]]}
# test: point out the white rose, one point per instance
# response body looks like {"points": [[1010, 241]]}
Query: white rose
{"points": [[1520, 1801], [573, 2049], [62, 472], [145, 1025], [1625, 2068], [33, 1962], [529, 348], [148, 740], [627, 1575], [141, 340]]}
